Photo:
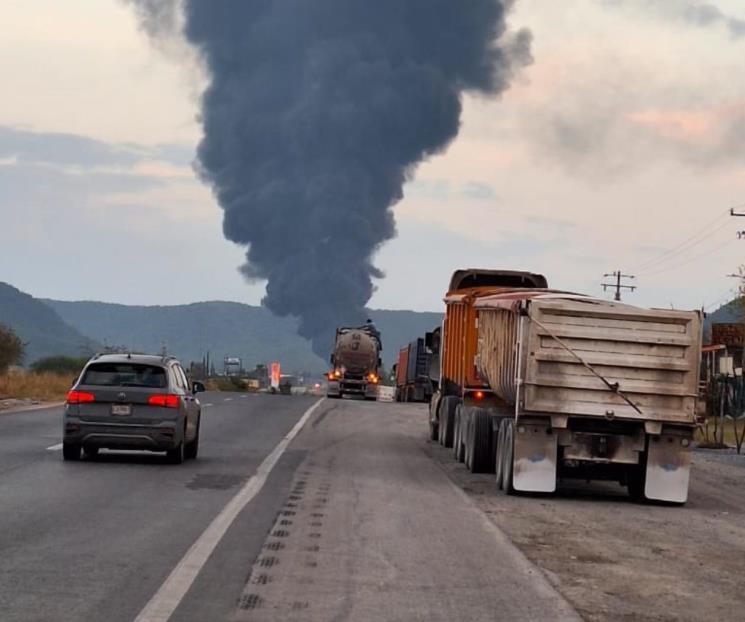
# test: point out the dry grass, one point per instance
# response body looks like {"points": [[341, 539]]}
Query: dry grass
{"points": [[729, 432], [46, 387]]}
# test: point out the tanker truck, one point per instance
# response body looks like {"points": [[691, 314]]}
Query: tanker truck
{"points": [[355, 363], [574, 387]]}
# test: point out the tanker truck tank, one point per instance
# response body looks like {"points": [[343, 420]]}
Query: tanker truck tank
{"points": [[356, 363]]}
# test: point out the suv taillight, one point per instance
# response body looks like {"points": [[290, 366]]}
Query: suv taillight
{"points": [[80, 397], [166, 401]]}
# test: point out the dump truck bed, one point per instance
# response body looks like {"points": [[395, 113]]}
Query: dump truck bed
{"points": [[571, 348]]}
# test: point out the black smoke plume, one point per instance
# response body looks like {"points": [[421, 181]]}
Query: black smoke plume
{"points": [[316, 114]]}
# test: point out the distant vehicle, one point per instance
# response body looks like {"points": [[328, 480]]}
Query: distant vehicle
{"points": [[356, 363], [132, 401], [286, 382], [417, 369]]}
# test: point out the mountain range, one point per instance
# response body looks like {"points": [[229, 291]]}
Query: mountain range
{"points": [[51, 327], [190, 331]]}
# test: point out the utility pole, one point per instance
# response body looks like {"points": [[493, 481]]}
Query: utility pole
{"points": [[734, 213], [618, 285]]}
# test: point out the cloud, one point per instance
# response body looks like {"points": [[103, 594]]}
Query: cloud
{"points": [[60, 149], [628, 122], [699, 14], [444, 190]]}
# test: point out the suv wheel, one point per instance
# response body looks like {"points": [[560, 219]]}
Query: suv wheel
{"points": [[177, 454], [71, 451], [193, 448]]}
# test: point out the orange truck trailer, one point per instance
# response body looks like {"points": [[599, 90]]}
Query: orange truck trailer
{"points": [[460, 381], [541, 385]]}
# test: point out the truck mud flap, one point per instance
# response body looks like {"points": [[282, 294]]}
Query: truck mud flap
{"points": [[668, 468], [534, 465]]}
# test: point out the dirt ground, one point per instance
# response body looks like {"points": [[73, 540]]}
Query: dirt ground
{"points": [[617, 560]]}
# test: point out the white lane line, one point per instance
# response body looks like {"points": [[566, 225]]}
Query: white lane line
{"points": [[56, 447], [167, 598], [228, 399], [206, 405]]}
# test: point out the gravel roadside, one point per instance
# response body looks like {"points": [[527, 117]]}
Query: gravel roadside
{"points": [[617, 560]]}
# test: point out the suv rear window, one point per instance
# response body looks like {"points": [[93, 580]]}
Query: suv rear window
{"points": [[125, 375]]}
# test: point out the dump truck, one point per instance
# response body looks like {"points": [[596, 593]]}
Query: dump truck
{"points": [[356, 363], [580, 388], [417, 374]]}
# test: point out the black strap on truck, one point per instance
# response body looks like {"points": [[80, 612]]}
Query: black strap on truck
{"points": [[613, 386]]}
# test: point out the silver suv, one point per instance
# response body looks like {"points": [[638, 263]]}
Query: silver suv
{"points": [[132, 401]]}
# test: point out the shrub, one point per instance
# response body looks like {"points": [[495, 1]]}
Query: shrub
{"points": [[11, 348], [67, 365]]}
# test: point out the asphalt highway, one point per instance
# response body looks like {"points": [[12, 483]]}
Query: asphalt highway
{"points": [[94, 540], [294, 510]]}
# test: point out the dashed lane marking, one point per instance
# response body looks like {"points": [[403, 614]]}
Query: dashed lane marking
{"points": [[56, 447], [171, 593]]}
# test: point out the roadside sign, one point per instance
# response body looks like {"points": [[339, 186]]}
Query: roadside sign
{"points": [[276, 374]]}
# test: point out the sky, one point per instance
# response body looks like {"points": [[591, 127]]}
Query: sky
{"points": [[621, 147]]}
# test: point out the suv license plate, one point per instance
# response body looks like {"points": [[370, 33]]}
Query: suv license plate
{"points": [[119, 409]]}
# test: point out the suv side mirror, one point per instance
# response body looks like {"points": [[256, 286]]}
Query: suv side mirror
{"points": [[198, 387]]}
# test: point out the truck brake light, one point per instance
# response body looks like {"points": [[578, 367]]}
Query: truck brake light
{"points": [[166, 401], [80, 397]]}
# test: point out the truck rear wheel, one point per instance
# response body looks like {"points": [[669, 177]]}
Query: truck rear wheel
{"points": [[466, 436], [499, 454], [448, 404], [457, 431], [479, 441], [434, 432], [636, 479], [508, 455]]}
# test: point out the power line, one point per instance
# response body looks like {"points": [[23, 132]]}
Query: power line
{"points": [[706, 253], [618, 286], [692, 238], [725, 297], [684, 247]]}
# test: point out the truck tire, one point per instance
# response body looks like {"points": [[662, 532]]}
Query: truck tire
{"points": [[466, 436], [635, 482], [499, 455], [434, 432], [448, 404], [636, 479], [460, 454], [480, 441], [434, 428], [508, 455], [456, 431]]}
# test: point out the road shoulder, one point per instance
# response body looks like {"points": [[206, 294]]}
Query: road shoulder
{"points": [[372, 529]]}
